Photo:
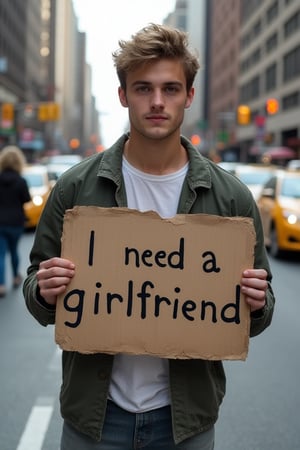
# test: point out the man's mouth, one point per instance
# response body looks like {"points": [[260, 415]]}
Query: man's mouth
{"points": [[156, 118]]}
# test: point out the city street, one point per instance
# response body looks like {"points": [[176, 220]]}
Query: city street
{"points": [[261, 407]]}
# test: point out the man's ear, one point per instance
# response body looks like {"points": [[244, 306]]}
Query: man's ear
{"points": [[190, 97], [122, 97]]}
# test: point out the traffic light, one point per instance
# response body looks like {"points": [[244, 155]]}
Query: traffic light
{"points": [[243, 115], [74, 143], [7, 112], [43, 112], [53, 111], [48, 111], [271, 106], [196, 139]]}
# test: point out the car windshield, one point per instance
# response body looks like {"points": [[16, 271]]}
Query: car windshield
{"points": [[65, 159], [291, 187], [254, 177], [34, 179]]}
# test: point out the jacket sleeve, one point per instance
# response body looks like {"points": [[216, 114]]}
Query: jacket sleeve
{"points": [[260, 320], [43, 313], [263, 318], [47, 244]]}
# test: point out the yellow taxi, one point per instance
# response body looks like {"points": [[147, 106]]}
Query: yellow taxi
{"points": [[40, 187], [279, 206], [255, 176]]}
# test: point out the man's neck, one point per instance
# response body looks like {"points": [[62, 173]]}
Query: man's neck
{"points": [[158, 157]]}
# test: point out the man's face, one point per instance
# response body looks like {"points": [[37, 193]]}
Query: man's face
{"points": [[156, 98]]}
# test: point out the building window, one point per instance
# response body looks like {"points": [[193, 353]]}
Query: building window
{"points": [[255, 57], [292, 25], [291, 101], [250, 90], [271, 78], [291, 64], [256, 29], [253, 34], [244, 66], [271, 43], [246, 41], [255, 87], [248, 8], [272, 12]]}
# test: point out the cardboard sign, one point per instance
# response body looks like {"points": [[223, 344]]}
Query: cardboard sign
{"points": [[147, 285]]}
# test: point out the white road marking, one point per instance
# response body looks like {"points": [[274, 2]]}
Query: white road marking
{"points": [[37, 424]]}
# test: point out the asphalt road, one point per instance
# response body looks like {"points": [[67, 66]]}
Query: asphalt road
{"points": [[260, 410]]}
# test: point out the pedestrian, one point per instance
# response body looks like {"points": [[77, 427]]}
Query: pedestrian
{"points": [[126, 402], [14, 193]]}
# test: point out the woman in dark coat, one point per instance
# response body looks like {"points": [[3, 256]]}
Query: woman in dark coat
{"points": [[14, 193]]}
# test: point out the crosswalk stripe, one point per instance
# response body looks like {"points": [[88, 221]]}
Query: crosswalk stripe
{"points": [[37, 424]]}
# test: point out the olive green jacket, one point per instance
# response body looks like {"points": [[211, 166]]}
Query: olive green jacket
{"points": [[197, 387]]}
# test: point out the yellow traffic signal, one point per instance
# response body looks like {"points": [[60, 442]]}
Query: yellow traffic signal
{"points": [[53, 111], [48, 111], [43, 112], [272, 106], [243, 115], [7, 112]]}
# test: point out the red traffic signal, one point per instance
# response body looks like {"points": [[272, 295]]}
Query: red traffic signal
{"points": [[272, 106], [195, 139]]}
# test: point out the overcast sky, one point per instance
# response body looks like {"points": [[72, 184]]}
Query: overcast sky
{"points": [[105, 22]]}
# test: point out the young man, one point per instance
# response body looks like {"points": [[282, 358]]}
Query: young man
{"points": [[125, 402]]}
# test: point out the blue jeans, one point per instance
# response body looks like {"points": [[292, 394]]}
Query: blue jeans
{"points": [[9, 239], [128, 431]]}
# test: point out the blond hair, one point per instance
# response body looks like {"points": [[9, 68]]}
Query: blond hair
{"points": [[153, 43], [11, 157]]}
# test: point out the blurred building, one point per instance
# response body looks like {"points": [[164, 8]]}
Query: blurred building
{"points": [[249, 85], [192, 17], [15, 47], [223, 60], [269, 81], [12, 51], [46, 103], [78, 127]]}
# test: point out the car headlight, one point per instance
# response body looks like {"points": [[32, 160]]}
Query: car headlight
{"points": [[37, 200], [291, 217]]}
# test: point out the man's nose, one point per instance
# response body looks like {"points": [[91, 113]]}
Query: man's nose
{"points": [[157, 99]]}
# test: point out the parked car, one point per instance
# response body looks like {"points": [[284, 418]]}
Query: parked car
{"points": [[65, 159], [293, 164], [40, 187], [58, 164], [56, 170], [254, 176], [279, 206], [230, 166]]}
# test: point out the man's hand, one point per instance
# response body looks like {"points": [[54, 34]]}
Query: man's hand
{"points": [[53, 277], [253, 286]]}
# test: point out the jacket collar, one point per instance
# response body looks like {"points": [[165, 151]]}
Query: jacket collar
{"points": [[111, 164]]}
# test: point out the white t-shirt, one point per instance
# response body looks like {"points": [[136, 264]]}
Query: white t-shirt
{"points": [[141, 383]]}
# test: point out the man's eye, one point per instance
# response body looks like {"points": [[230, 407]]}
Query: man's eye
{"points": [[143, 89], [171, 89]]}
